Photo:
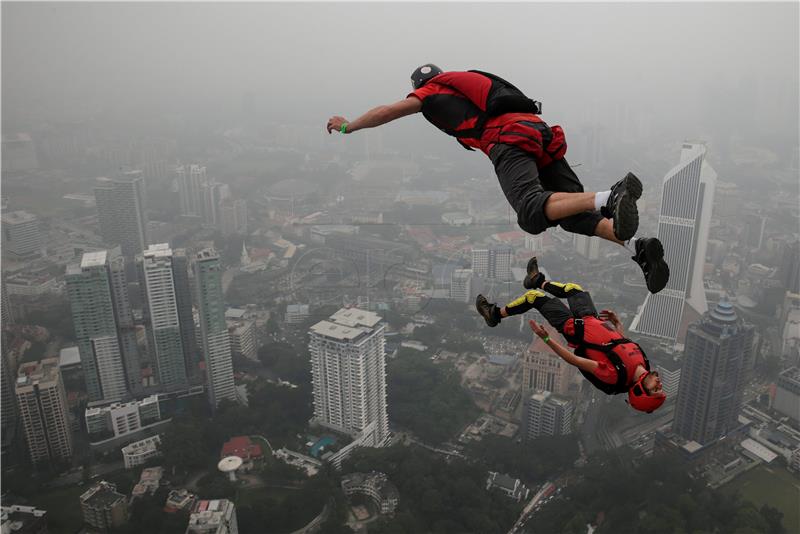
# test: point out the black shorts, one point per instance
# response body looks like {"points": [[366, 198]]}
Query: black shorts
{"points": [[554, 311], [527, 189]]}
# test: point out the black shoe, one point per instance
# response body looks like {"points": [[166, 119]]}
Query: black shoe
{"points": [[621, 206], [489, 312], [534, 279], [650, 257]]}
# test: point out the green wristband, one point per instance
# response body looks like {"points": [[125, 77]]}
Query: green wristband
{"points": [[546, 339], [343, 129]]}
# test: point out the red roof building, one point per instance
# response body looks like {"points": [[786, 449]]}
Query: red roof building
{"points": [[242, 447]]}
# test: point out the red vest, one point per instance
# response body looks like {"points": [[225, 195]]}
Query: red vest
{"points": [[597, 333], [457, 103]]}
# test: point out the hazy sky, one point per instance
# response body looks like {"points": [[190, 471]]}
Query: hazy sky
{"points": [[309, 59]]}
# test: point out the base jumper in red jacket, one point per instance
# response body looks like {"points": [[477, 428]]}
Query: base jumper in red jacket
{"points": [[484, 112], [605, 357]]}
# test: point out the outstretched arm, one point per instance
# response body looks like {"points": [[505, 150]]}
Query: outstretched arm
{"points": [[584, 364], [376, 116]]}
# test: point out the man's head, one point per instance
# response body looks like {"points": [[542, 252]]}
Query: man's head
{"points": [[424, 73], [647, 394]]}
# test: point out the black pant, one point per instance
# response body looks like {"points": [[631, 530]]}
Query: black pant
{"points": [[552, 309], [527, 188]]}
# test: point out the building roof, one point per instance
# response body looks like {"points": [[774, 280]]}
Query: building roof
{"points": [[17, 217], [242, 447], [102, 495], [94, 259], [355, 317], [501, 480], [69, 356], [759, 450]]}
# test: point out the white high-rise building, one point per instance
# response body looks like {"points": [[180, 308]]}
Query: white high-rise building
{"points": [[121, 212], [103, 322], [588, 247], [461, 285], [216, 341], [21, 235], [546, 414], [534, 243], [161, 313], [348, 370], [683, 226], [191, 179], [493, 262]]}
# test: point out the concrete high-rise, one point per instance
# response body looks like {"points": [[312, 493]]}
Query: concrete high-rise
{"points": [[492, 262], [22, 237], [183, 299], [97, 292], [683, 226], [718, 353], [233, 216], [213, 327], [541, 371], [588, 247], [191, 179], [121, 212], [461, 285], [160, 308], [42, 403], [348, 369], [546, 414]]}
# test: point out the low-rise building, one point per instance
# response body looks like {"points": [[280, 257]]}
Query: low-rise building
{"points": [[244, 448], [16, 519], [787, 393], [179, 500], [120, 419], [103, 508], [375, 486], [149, 481], [243, 338], [213, 517], [296, 313], [139, 452], [513, 487]]}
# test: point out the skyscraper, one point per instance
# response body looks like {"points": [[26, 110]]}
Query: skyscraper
{"points": [[541, 371], [348, 371], [191, 179], [5, 305], [123, 313], [121, 212], [492, 262], [683, 227], [21, 235], [233, 216], [546, 414], [183, 299], [213, 327], [718, 352], [42, 403], [91, 287], [461, 285], [161, 314]]}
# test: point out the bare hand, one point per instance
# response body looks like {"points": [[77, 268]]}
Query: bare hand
{"points": [[538, 329], [335, 123], [608, 315]]}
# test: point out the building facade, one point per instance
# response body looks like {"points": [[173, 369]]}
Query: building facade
{"points": [[97, 294], [787, 393], [718, 353], [22, 238], [542, 372], [42, 404], [121, 212], [348, 370], [139, 452], [546, 414], [492, 262], [120, 419], [216, 341], [103, 508], [160, 307], [683, 226]]}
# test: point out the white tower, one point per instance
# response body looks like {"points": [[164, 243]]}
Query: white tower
{"points": [[348, 370], [683, 226]]}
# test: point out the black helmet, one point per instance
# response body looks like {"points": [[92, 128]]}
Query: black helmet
{"points": [[424, 73]]}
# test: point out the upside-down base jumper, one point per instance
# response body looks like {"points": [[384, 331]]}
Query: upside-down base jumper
{"points": [[483, 111], [605, 357]]}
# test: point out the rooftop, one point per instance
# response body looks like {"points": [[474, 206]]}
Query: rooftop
{"points": [[94, 259], [43, 371], [792, 373], [355, 317], [17, 217], [102, 495]]}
